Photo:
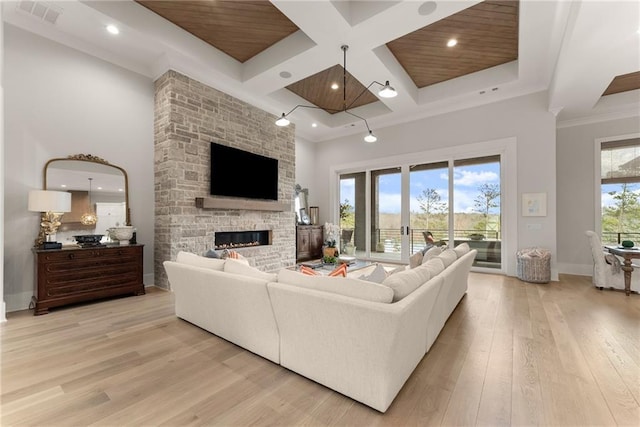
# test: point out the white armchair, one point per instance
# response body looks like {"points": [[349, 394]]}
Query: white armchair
{"points": [[607, 275]]}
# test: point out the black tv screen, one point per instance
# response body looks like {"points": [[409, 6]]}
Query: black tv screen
{"points": [[239, 173]]}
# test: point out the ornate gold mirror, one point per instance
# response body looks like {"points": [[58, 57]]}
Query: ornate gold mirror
{"points": [[99, 192]]}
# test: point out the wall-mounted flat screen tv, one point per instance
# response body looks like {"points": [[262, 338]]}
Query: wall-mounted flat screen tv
{"points": [[239, 173]]}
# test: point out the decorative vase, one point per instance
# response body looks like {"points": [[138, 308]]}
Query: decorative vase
{"points": [[329, 251]]}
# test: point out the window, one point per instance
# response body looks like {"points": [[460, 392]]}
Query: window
{"points": [[620, 190]]}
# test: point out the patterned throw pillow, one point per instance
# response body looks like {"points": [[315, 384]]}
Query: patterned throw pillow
{"points": [[340, 270], [308, 271]]}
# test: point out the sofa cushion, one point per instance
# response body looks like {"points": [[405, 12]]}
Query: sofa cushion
{"points": [[462, 249], [448, 256], [431, 253], [235, 266], [415, 259], [200, 261], [435, 266], [346, 286], [407, 281], [377, 275]]}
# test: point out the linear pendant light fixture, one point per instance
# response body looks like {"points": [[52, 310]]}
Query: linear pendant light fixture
{"points": [[386, 92], [89, 217]]}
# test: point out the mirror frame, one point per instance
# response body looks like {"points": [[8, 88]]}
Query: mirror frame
{"points": [[93, 159]]}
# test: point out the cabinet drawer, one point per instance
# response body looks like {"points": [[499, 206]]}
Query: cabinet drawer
{"points": [[81, 254], [62, 276], [80, 286]]}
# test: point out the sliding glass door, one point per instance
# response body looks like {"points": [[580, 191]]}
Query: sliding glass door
{"points": [[387, 212]]}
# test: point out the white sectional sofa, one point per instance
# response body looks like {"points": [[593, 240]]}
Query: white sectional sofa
{"points": [[357, 337]]}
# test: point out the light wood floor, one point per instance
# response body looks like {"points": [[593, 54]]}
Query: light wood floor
{"points": [[558, 354]]}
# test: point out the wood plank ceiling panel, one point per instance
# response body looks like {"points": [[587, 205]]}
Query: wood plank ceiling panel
{"points": [[623, 83], [316, 89], [241, 29], [487, 35]]}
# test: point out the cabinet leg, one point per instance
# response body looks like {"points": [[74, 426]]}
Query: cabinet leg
{"points": [[41, 310]]}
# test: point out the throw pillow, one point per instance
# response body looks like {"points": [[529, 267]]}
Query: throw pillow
{"points": [[404, 282], [434, 266], [377, 275], [239, 267], [199, 261], [231, 254], [346, 286], [398, 269], [415, 259], [340, 270], [308, 271], [431, 253], [448, 256], [462, 249], [211, 254]]}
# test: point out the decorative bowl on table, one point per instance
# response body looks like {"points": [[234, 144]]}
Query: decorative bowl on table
{"points": [[88, 240], [627, 244], [121, 234]]}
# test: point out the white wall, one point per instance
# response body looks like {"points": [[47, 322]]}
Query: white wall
{"points": [[59, 101], [525, 118], [3, 307], [577, 189], [305, 167]]}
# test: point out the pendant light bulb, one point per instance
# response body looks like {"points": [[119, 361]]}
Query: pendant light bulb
{"points": [[387, 91], [89, 218], [370, 137], [283, 121]]}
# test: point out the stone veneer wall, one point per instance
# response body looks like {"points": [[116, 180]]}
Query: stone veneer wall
{"points": [[188, 116]]}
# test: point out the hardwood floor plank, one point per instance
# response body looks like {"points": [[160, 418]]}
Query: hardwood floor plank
{"points": [[512, 353]]}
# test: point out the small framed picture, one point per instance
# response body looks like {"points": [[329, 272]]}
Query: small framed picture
{"points": [[304, 217], [534, 204]]}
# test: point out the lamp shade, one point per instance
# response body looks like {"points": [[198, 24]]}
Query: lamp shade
{"points": [[49, 201]]}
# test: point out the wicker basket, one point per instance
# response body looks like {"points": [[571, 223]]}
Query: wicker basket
{"points": [[534, 265]]}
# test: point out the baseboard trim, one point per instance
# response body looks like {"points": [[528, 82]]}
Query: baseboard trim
{"points": [[575, 269]]}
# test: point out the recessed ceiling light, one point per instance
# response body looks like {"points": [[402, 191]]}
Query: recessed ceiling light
{"points": [[314, 125], [113, 29], [99, 188], [452, 42], [285, 74], [63, 185], [334, 86], [427, 8], [120, 189]]}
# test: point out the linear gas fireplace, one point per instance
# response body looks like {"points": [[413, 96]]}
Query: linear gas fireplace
{"points": [[241, 239]]}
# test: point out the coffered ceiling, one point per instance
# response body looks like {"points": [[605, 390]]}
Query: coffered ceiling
{"points": [[281, 53]]}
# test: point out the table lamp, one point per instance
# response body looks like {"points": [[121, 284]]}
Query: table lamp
{"points": [[52, 205]]}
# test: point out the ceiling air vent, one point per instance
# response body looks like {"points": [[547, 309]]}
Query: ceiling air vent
{"points": [[40, 10]]}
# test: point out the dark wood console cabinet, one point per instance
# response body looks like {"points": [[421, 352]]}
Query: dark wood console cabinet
{"points": [[71, 275], [309, 240]]}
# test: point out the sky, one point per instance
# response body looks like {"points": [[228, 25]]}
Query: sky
{"points": [[466, 181]]}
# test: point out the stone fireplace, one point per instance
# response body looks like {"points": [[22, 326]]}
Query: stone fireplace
{"points": [[188, 115]]}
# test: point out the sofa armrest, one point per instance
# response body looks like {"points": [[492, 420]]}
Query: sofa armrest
{"points": [[234, 307], [365, 350]]}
